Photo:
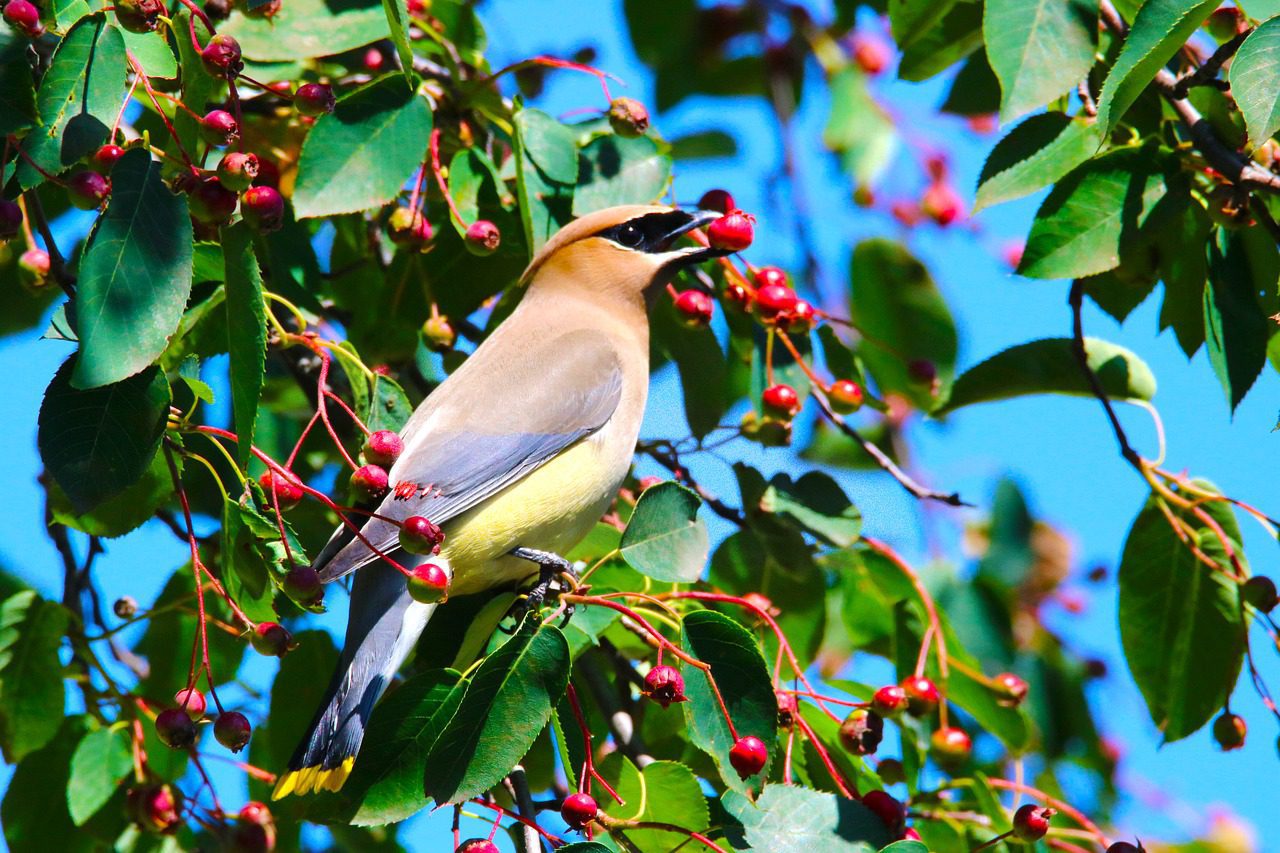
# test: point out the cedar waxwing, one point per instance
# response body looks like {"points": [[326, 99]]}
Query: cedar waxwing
{"points": [[516, 456]]}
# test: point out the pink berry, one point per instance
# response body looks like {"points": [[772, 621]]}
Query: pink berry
{"points": [[748, 756], [262, 208], [287, 490], [191, 701], [373, 60], [664, 685], [871, 54], [942, 203], [155, 808], [23, 16], [428, 584], [846, 398], [88, 190], [732, 232], [477, 845], [483, 238], [232, 730], [383, 447], [951, 746], [314, 99], [237, 170], [221, 56], [369, 482], [219, 127], [578, 810], [420, 535], [695, 308]]}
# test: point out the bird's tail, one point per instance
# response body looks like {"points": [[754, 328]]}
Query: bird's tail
{"points": [[383, 626]]}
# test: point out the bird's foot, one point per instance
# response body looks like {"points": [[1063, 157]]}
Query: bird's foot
{"points": [[551, 568]]}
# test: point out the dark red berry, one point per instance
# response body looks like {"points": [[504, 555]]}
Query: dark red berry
{"points": [[271, 639], [105, 157], [717, 200], [628, 117], [155, 808], [578, 810], [420, 535], [369, 482], [175, 728], [951, 746], [428, 584], [383, 447], [219, 127], [871, 54], [1229, 731], [191, 701], [88, 190], [1226, 22], [1012, 689], [221, 56], [845, 397], [477, 845], [23, 16], [862, 731], [314, 99], [483, 238], [1031, 822], [302, 584], [287, 490], [773, 300], [738, 295], [695, 308], [255, 830], [139, 16], [1260, 591], [237, 170], [889, 701], [942, 203], [781, 400], [10, 219], [664, 685], [262, 208], [232, 730], [748, 756], [887, 808], [922, 695], [211, 203], [732, 232]]}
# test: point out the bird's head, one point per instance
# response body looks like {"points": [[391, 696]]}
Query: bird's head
{"points": [[628, 250]]}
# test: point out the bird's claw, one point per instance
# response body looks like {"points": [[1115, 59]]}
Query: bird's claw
{"points": [[550, 568]]}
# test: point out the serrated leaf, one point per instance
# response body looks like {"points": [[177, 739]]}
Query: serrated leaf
{"points": [[1184, 271], [546, 203], [246, 334], [1235, 327], [506, 705], [17, 90], [305, 29], [551, 145], [743, 679], [359, 156], [31, 695], [389, 407], [1159, 30], [101, 760], [245, 571], [135, 276], [671, 795], [1049, 366], [613, 170], [1035, 154], [1181, 623], [397, 12], [98, 442], [1038, 49], [789, 819], [153, 54], [665, 539], [934, 34], [118, 515]]}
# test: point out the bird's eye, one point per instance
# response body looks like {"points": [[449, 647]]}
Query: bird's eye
{"points": [[630, 235]]}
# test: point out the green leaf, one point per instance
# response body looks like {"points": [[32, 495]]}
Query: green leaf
{"points": [[701, 363], [1038, 49], [1080, 228], [135, 276], [703, 145], [507, 703], [546, 203], [389, 408], [789, 819], [34, 814], [1036, 153], [670, 794], [246, 333], [98, 442], [17, 90], [858, 128], [1236, 329], [472, 174], [246, 573], [398, 21], [359, 156], [31, 695], [1181, 623], [1048, 366], [974, 91], [77, 100], [153, 54], [743, 680], [101, 760], [126, 511], [614, 170], [552, 146], [1184, 270], [665, 539], [816, 504], [1159, 30], [903, 317], [934, 34], [305, 29]]}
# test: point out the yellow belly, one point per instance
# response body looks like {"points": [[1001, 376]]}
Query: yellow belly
{"points": [[551, 509]]}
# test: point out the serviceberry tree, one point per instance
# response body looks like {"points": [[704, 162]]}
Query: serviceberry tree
{"points": [[340, 198]]}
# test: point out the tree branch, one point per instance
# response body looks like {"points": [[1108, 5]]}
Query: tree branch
{"points": [[518, 785], [57, 264], [1206, 74]]}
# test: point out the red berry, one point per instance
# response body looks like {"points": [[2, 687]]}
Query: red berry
{"points": [[483, 238], [369, 482], [237, 170], [738, 295], [287, 490], [846, 397], [1012, 688], [438, 334], [221, 56], [781, 400], [800, 318], [870, 53], [420, 535], [578, 810], [717, 200], [191, 701], [909, 834], [232, 730], [862, 731], [774, 299], [951, 746], [695, 308], [175, 728], [942, 203], [428, 584], [889, 701], [155, 808], [1031, 822], [271, 639], [255, 831], [1260, 591], [748, 756], [383, 447], [314, 99], [477, 845], [211, 203], [139, 16], [23, 16], [1012, 253], [732, 232], [985, 123], [10, 219], [935, 166], [409, 228], [33, 268], [923, 697], [88, 190], [664, 685], [219, 127], [373, 59], [887, 808], [1229, 731], [105, 157], [302, 584], [262, 208], [765, 276], [628, 117]]}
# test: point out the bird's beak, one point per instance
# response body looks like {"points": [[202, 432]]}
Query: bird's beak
{"points": [[677, 258]]}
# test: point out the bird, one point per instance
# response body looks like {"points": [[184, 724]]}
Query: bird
{"points": [[516, 456]]}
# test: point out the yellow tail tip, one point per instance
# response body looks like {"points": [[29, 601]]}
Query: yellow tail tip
{"points": [[313, 779]]}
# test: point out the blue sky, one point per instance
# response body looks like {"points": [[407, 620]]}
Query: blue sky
{"points": [[1059, 450]]}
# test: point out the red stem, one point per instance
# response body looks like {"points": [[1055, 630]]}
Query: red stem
{"points": [[826, 759], [434, 148]]}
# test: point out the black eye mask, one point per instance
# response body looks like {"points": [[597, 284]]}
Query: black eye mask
{"points": [[653, 232]]}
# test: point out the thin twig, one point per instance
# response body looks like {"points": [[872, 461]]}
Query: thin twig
{"points": [[1076, 299]]}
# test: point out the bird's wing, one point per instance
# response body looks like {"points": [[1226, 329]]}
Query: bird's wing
{"points": [[504, 418]]}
